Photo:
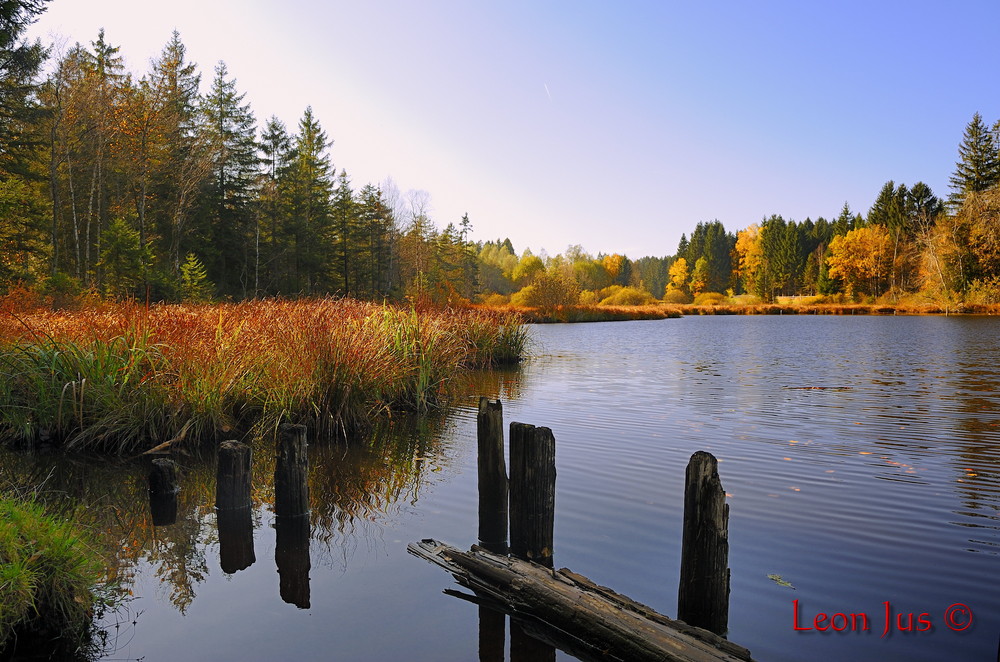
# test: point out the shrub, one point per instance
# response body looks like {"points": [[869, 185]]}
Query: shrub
{"points": [[675, 296], [984, 292], [710, 299], [495, 300], [588, 298], [628, 296]]}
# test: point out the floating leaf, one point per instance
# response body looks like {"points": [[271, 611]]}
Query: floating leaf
{"points": [[780, 581]]}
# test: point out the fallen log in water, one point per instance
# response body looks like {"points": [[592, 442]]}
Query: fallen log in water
{"points": [[620, 627]]}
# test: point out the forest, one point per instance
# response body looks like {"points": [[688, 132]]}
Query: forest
{"points": [[157, 187]]}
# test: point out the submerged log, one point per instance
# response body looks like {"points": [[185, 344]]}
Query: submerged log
{"points": [[595, 615]]}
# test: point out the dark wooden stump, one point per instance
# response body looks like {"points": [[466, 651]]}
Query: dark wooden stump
{"points": [[163, 476], [232, 485], [291, 472], [291, 555], [492, 477], [532, 492], [703, 593], [235, 539], [163, 491]]}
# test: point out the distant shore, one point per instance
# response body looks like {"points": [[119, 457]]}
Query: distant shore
{"points": [[572, 314]]}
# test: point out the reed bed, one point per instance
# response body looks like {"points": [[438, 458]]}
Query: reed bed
{"points": [[125, 378]]}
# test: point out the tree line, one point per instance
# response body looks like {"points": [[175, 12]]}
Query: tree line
{"points": [[146, 187]]}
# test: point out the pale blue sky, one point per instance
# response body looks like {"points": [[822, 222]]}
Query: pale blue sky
{"points": [[615, 125]]}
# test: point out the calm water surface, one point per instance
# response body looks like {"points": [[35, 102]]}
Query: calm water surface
{"points": [[861, 457]]}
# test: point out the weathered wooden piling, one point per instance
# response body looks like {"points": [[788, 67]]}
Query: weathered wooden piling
{"points": [[492, 477], [291, 472], [163, 476], [235, 526], [232, 485], [291, 556], [703, 593], [532, 492], [163, 491]]}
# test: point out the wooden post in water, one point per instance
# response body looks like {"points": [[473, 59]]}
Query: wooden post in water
{"points": [[163, 476], [232, 485], [492, 477], [163, 491], [703, 593], [232, 503], [291, 472], [532, 492]]}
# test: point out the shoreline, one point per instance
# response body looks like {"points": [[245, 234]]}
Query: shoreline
{"points": [[580, 314]]}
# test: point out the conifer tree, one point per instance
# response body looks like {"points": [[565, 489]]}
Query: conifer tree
{"points": [[227, 207], [978, 168], [19, 65]]}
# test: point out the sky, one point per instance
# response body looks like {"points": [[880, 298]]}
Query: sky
{"points": [[613, 125]]}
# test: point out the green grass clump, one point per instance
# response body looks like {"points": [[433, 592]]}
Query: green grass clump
{"points": [[47, 573]]}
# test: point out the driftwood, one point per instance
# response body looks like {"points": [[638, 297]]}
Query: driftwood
{"points": [[597, 616]]}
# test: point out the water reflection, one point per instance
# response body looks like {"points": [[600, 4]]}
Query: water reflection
{"points": [[291, 555], [163, 508], [235, 528], [356, 487]]}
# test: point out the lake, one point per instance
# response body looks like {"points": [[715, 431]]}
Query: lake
{"points": [[860, 456]]}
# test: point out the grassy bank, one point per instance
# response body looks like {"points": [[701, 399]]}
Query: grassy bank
{"points": [[47, 574], [124, 378]]}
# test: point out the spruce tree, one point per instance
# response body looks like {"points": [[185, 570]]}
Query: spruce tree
{"points": [[978, 168], [227, 214], [19, 64]]}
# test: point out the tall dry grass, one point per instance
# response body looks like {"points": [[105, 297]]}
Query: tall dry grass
{"points": [[124, 378]]}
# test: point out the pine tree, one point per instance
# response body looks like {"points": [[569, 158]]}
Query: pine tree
{"points": [[227, 217], [347, 253], [19, 65], [185, 159], [306, 189], [978, 168]]}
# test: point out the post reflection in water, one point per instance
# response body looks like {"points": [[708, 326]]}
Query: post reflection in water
{"points": [[525, 648], [163, 508], [492, 633], [235, 539], [291, 555]]}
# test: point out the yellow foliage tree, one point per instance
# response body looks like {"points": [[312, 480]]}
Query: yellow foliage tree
{"points": [[862, 259], [750, 249], [677, 286], [613, 264]]}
